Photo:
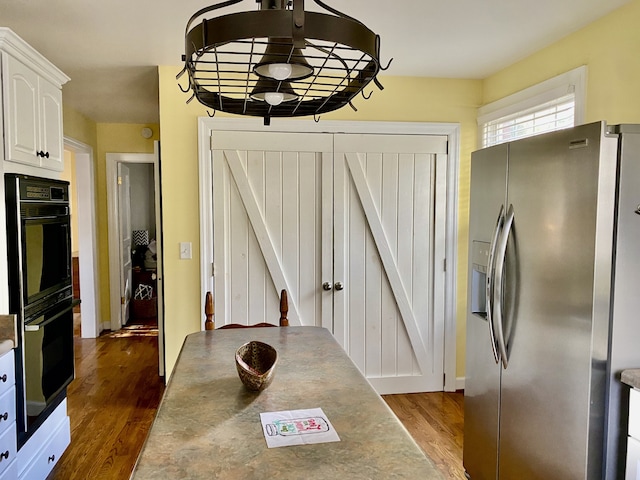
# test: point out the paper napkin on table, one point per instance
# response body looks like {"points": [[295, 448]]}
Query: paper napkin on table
{"points": [[297, 427]]}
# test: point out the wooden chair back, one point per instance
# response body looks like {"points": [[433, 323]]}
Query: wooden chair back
{"points": [[209, 323]]}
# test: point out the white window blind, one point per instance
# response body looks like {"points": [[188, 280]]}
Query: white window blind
{"points": [[554, 104], [554, 115]]}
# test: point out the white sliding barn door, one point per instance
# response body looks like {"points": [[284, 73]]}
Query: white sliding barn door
{"points": [[389, 240], [362, 214], [268, 225]]}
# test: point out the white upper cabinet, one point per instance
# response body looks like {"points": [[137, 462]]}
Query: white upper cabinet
{"points": [[32, 105], [51, 136], [20, 112]]}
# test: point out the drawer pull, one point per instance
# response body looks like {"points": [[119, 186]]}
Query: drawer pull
{"points": [[52, 458], [4, 416], [4, 455], [4, 377]]}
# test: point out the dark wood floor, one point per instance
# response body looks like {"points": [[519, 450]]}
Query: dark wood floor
{"points": [[435, 421], [112, 403], [113, 400]]}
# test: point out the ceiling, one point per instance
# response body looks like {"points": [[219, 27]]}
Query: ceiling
{"points": [[110, 49]]}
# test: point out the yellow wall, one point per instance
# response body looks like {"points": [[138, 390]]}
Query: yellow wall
{"points": [[79, 127], [404, 99], [609, 47]]}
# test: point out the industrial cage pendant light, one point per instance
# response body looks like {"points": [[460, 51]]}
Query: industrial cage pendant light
{"points": [[280, 60]]}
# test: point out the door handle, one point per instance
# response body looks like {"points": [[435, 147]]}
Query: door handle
{"points": [[490, 282], [339, 286], [498, 287], [327, 286]]}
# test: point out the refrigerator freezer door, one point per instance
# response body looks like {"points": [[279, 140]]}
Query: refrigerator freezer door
{"points": [[549, 289], [482, 375]]}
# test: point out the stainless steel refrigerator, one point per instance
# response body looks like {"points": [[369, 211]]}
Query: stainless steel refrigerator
{"points": [[554, 304]]}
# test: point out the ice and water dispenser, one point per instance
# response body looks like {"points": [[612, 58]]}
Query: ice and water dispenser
{"points": [[479, 262]]}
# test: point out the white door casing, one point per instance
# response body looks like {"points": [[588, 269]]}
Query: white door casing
{"points": [[448, 187], [290, 214], [88, 260], [124, 203]]}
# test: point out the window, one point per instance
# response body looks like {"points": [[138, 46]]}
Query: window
{"points": [[551, 105]]}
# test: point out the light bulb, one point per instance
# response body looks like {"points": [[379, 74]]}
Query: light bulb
{"points": [[280, 71], [273, 98]]}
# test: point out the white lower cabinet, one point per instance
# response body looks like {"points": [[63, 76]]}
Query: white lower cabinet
{"points": [[8, 447], [8, 432], [42, 451], [49, 454], [633, 459], [633, 440]]}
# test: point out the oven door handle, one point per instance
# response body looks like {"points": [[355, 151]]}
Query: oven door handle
{"points": [[34, 327], [43, 217]]}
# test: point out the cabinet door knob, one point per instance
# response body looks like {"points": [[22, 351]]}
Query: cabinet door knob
{"points": [[327, 286], [339, 286], [4, 377], [52, 458], [4, 416], [46, 154], [4, 455]]}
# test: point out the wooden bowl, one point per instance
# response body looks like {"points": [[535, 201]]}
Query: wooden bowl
{"points": [[256, 362]]}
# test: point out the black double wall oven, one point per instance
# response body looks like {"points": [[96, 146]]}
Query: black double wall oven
{"points": [[40, 294]]}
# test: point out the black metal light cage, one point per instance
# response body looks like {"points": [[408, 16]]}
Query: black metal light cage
{"points": [[221, 54]]}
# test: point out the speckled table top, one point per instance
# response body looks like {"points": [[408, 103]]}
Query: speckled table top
{"points": [[631, 377], [208, 425]]}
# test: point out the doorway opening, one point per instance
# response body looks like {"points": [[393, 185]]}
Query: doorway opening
{"points": [[135, 243]]}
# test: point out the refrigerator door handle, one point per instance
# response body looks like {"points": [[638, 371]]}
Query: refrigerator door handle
{"points": [[499, 285], [490, 282]]}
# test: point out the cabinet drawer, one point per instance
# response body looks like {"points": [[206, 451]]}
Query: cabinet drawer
{"points": [[8, 447], [633, 459], [7, 372], [634, 413], [50, 453], [7, 409]]}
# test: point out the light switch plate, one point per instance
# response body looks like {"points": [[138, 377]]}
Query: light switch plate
{"points": [[185, 250]]}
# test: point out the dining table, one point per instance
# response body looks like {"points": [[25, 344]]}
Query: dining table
{"points": [[208, 424]]}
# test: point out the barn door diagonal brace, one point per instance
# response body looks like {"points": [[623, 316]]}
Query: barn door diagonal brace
{"points": [[388, 261], [274, 265]]}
